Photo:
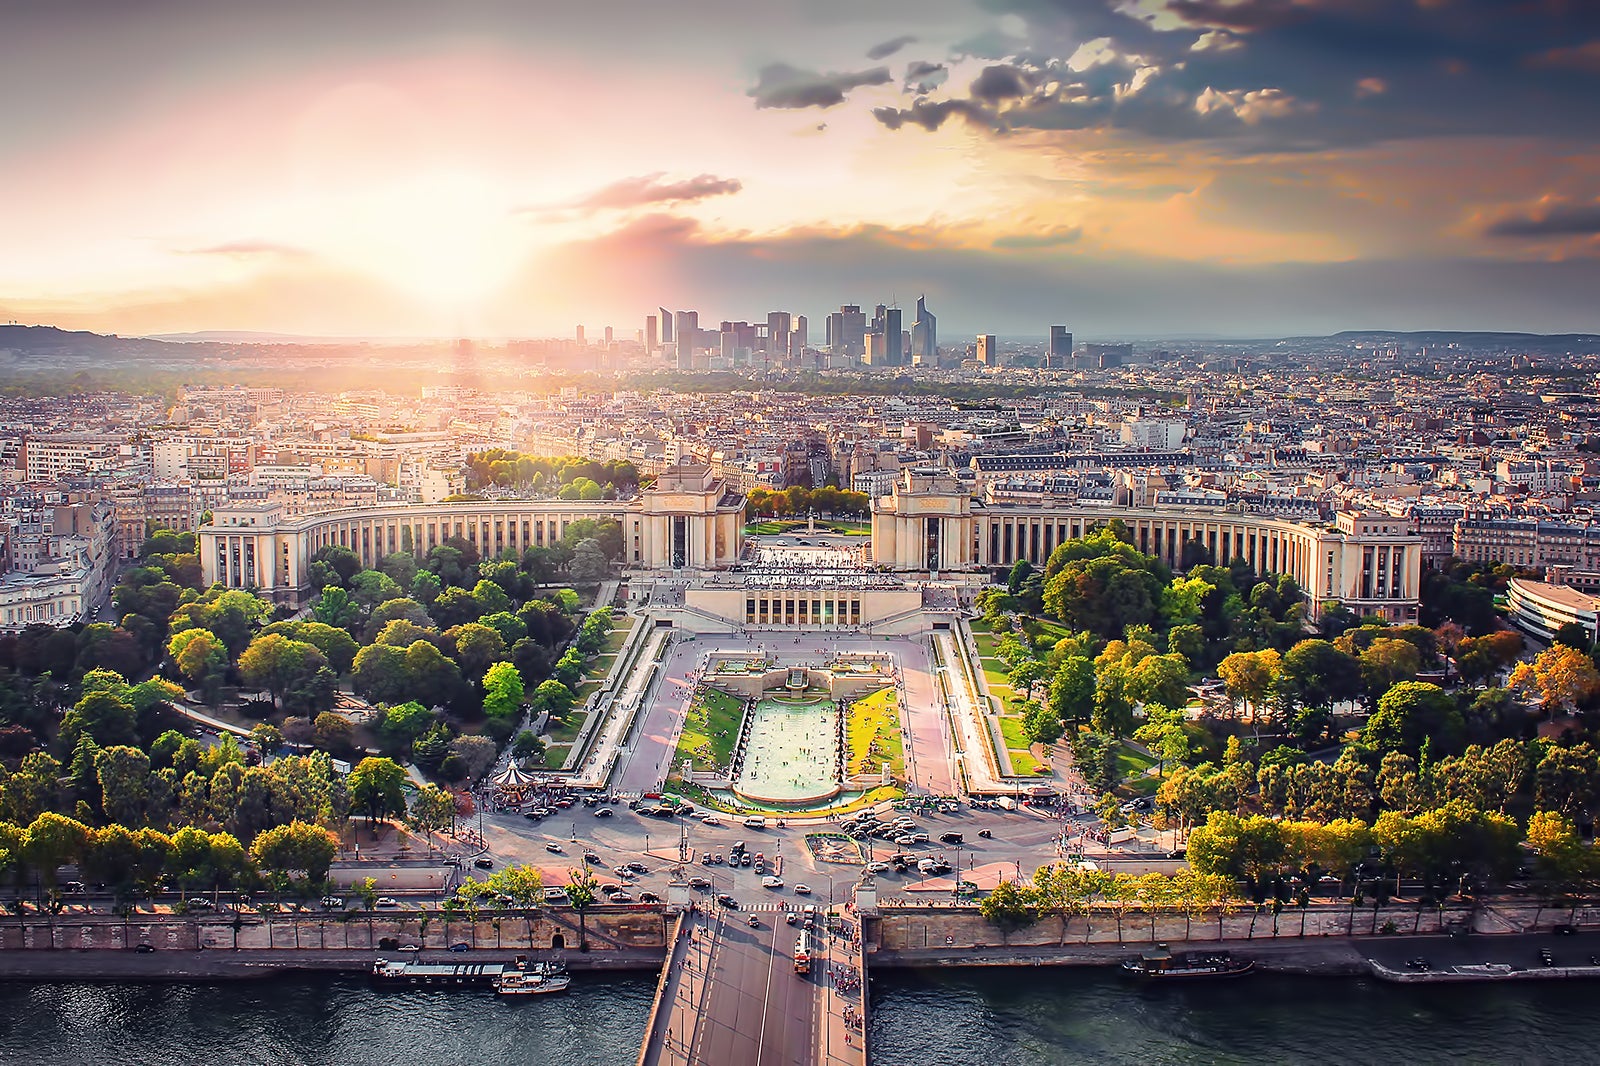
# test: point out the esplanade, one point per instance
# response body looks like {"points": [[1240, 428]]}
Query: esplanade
{"points": [[930, 524]]}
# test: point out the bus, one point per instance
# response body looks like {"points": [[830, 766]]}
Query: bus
{"points": [[802, 953]]}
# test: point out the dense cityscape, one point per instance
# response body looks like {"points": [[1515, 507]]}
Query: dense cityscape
{"points": [[799, 534]]}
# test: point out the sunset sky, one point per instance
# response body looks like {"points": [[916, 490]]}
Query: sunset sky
{"points": [[517, 167]]}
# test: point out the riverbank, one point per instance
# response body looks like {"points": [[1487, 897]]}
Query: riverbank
{"points": [[185, 966], [1327, 957]]}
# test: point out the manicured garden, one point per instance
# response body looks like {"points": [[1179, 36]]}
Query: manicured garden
{"points": [[872, 731], [710, 730]]}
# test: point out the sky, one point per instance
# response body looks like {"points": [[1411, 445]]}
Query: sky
{"points": [[502, 168]]}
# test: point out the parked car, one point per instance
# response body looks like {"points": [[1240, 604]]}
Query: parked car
{"points": [[463, 946], [386, 901], [145, 949], [877, 867], [555, 894], [649, 897], [621, 897], [951, 838], [333, 903], [609, 887]]}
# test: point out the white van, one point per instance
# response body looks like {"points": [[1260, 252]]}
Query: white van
{"points": [[755, 821]]}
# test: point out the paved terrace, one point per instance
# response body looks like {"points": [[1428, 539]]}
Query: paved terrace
{"points": [[729, 994]]}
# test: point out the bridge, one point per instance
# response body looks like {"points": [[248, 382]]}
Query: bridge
{"points": [[731, 993]]}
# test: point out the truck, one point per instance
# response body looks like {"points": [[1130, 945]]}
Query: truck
{"points": [[1007, 803], [802, 953], [755, 821]]}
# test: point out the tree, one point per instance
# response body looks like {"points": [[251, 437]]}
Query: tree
{"points": [[1560, 676], [589, 565], [333, 733], [502, 691], [403, 723], [52, 841], [528, 747], [581, 893], [1567, 780], [552, 697], [1041, 725], [379, 673], [1072, 689], [1411, 714], [1573, 635], [377, 787], [433, 809], [1163, 733], [278, 664], [1250, 676], [476, 647], [520, 883], [123, 775], [477, 754], [296, 846], [1386, 663], [1010, 906]]}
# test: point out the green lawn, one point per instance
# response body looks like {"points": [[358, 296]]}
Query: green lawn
{"points": [[994, 671], [599, 667], [873, 733], [1133, 764], [556, 754], [565, 730], [710, 730], [1023, 762], [1011, 730]]}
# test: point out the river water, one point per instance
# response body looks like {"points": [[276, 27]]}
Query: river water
{"points": [[971, 1018]]}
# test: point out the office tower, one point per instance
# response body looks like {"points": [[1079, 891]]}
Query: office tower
{"points": [[686, 328], [778, 328], [581, 341], [924, 336], [847, 331], [651, 338], [609, 336], [1106, 356], [988, 350], [877, 319], [1060, 355], [799, 338], [893, 347], [666, 325], [729, 345]]}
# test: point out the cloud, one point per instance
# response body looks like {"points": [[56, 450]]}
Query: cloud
{"points": [[1550, 220], [1216, 41], [931, 114], [1371, 87], [1240, 16], [885, 49], [999, 83], [651, 189], [1050, 238], [924, 77], [781, 86], [249, 249], [1249, 107], [1581, 57]]}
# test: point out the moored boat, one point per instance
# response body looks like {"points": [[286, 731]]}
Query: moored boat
{"points": [[1161, 963], [525, 979]]}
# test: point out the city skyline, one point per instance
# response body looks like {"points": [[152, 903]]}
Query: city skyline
{"points": [[1145, 168]]}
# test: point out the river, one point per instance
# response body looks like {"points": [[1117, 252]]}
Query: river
{"points": [[967, 1018]]}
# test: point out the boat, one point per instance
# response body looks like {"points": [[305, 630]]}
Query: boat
{"points": [[525, 979], [1161, 963]]}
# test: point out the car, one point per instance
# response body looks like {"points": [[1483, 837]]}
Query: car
{"points": [[333, 903], [950, 838], [1565, 930], [199, 903], [609, 887], [905, 841], [700, 883], [649, 897], [411, 948], [463, 946], [563, 804], [705, 858], [1546, 958], [74, 887], [685, 808], [593, 859], [753, 922], [144, 949], [728, 901], [555, 894], [620, 897], [772, 882], [1418, 963], [483, 863], [622, 871], [503, 899], [637, 867], [386, 901], [604, 812], [760, 858], [552, 847], [710, 819], [922, 838], [744, 860], [877, 867], [790, 917], [802, 890], [716, 859], [532, 816]]}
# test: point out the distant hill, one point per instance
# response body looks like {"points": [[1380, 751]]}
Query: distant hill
{"points": [[51, 339], [247, 336], [1477, 340]]}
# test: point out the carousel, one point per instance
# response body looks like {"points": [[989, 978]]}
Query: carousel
{"points": [[513, 784]]}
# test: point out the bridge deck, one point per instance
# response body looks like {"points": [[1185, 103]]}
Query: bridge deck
{"points": [[731, 995]]}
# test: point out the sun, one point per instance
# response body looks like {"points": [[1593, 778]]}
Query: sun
{"points": [[444, 237]]}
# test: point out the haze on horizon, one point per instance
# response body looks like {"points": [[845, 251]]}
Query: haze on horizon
{"points": [[495, 167]]}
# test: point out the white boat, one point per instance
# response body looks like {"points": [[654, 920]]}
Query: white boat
{"points": [[531, 980]]}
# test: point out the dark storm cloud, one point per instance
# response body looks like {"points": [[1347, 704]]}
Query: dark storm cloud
{"points": [[1291, 75], [931, 114], [651, 189], [924, 77], [1567, 220], [782, 86], [888, 48]]}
